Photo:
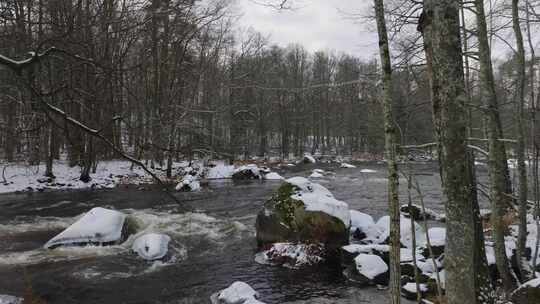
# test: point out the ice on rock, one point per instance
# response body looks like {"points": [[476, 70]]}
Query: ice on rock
{"points": [[151, 246], [238, 293], [317, 198], [98, 226], [370, 265], [7, 299]]}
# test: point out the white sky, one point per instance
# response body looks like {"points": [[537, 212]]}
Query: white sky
{"points": [[316, 24]]}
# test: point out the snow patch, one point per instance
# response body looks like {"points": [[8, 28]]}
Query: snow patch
{"points": [[348, 166], [370, 265], [7, 299], [238, 293]]}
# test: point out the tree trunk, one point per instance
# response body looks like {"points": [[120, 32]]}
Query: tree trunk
{"points": [[497, 152], [390, 151]]}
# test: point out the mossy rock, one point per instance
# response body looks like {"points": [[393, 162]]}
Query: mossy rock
{"points": [[284, 219]]}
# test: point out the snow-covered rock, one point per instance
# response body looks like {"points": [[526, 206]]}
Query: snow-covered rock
{"points": [[363, 227], [409, 290], [273, 176], [345, 165], [405, 230], [367, 171], [7, 299], [308, 159], [151, 246], [247, 172], [306, 212], [370, 269], [317, 173], [189, 183], [238, 293], [416, 213], [98, 226], [292, 255], [317, 198]]}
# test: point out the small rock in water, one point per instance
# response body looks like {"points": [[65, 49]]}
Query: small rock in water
{"points": [[151, 246], [238, 293], [292, 255]]}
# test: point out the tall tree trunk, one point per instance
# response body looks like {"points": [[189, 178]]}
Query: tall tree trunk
{"points": [[497, 153], [463, 260], [522, 263], [390, 151]]}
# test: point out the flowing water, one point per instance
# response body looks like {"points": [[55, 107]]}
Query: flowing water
{"points": [[210, 248]]}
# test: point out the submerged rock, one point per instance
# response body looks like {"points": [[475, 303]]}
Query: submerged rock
{"points": [[98, 226], [238, 293], [151, 246], [304, 212]]}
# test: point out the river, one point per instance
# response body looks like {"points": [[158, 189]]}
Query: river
{"points": [[209, 250]]}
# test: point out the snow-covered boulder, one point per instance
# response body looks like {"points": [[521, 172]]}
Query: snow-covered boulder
{"points": [[188, 183], [238, 293], [363, 227], [306, 212], [219, 171], [98, 226], [151, 246], [437, 237], [527, 293], [308, 159], [7, 299], [370, 269], [348, 166], [409, 290], [272, 176], [292, 255], [247, 172], [317, 174], [405, 231]]}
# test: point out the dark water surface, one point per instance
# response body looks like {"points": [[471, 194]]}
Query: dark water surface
{"points": [[209, 251]]}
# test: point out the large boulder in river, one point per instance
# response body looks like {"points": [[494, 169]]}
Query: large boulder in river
{"points": [[363, 227], [98, 226], [303, 212], [151, 246]]}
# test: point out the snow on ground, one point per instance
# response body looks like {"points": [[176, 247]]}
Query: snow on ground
{"points": [[7, 299], [238, 293], [99, 225], [110, 174], [317, 198], [151, 246], [370, 265]]}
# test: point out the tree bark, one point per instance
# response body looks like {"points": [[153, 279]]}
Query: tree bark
{"points": [[390, 151]]}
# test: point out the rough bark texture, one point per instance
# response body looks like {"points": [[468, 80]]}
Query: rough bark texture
{"points": [[497, 154], [390, 151], [523, 265], [462, 257]]}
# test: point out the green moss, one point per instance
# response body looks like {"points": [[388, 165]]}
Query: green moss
{"points": [[287, 207]]}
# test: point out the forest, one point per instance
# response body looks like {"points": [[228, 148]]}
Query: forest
{"points": [[163, 145]]}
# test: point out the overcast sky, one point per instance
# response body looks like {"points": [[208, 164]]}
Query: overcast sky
{"points": [[316, 24]]}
